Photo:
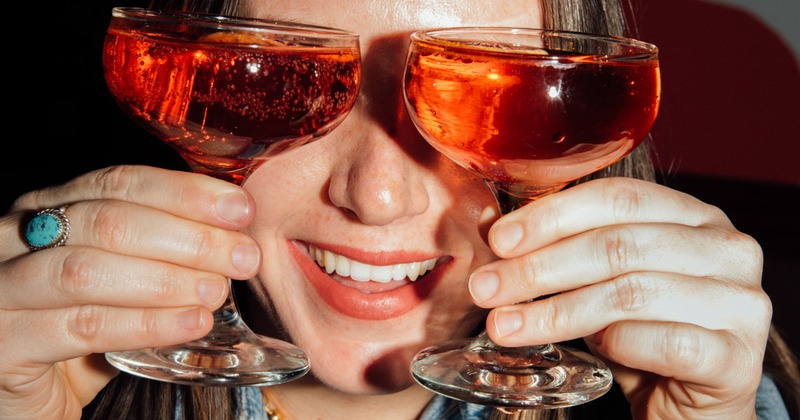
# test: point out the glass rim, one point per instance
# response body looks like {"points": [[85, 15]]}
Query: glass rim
{"points": [[437, 36], [232, 23]]}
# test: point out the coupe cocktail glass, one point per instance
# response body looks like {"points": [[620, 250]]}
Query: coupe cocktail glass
{"points": [[530, 111], [227, 93]]}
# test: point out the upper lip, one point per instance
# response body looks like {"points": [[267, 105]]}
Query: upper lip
{"points": [[374, 255]]}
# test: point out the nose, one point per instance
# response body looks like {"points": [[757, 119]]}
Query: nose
{"points": [[384, 178], [380, 183]]}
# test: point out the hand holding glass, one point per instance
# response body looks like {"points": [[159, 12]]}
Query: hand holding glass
{"points": [[529, 111], [227, 93]]}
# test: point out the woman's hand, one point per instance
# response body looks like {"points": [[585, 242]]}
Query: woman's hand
{"points": [[661, 285], [144, 265]]}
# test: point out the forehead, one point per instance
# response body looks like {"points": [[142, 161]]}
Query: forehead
{"points": [[377, 18]]}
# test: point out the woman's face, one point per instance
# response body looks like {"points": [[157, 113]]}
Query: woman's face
{"points": [[372, 193]]}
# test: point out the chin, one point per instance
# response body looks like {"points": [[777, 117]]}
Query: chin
{"points": [[380, 384]]}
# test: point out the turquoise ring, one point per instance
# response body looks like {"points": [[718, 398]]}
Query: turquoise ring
{"points": [[48, 228]]}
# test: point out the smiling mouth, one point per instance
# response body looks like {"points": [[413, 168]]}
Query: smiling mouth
{"points": [[366, 291], [361, 272]]}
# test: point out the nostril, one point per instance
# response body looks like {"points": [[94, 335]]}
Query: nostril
{"points": [[349, 214]]}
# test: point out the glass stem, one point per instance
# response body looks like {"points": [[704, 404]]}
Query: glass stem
{"points": [[229, 327], [225, 317], [511, 196], [482, 350]]}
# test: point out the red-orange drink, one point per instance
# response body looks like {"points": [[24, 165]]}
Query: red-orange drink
{"points": [[223, 102], [542, 118]]}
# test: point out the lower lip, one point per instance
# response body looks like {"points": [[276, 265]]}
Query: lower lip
{"points": [[356, 304]]}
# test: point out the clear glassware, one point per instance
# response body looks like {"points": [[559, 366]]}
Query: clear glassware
{"points": [[227, 93], [530, 111]]}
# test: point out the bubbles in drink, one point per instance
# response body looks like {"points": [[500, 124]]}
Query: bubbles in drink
{"points": [[223, 106]]}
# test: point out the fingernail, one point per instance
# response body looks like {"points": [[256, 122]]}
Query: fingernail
{"points": [[507, 236], [246, 258], [233, 206], [211, 291], [190, 320], [483, 286], [507, 322]]}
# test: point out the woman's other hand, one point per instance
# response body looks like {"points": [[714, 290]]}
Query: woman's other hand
{"points": [[660, 284]]}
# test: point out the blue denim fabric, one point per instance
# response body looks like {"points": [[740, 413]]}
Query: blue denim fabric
{"points": [[769, 404], [252, 407]]}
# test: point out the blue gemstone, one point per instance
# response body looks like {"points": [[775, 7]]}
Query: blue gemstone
{"points": [[43, 230]]}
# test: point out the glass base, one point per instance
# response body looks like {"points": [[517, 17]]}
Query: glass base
{"points": [[550, 376], [230, 355], [262, 362]]}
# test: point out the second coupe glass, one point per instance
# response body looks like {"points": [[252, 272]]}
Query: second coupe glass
{"points": [[530, 111]]}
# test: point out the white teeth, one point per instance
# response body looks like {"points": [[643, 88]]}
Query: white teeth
{"points": [[413, 270], [327, 260], [359, 271], [382, 274]]}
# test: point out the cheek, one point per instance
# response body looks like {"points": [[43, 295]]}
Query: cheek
{"points": [[287, 184], [471, 206]]}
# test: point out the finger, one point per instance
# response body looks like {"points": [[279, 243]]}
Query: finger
{"points": [[191, 196], [72, 276], [658, 297], [61, 334], [11, 230], [685, 352], [608, 252], [125, 228], [594, 204]]}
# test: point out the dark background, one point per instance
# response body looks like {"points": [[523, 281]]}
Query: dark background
{"points": [[726, 132]]}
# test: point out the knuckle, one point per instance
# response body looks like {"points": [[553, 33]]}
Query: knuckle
{"points": [[76, 275], [714, 216], [628, 294], [116, 181], [529, 275], [625, 196], [85, 323], [550, 215], [752, 246], [551, 320], [167, 288], [27, 200], [765, 307], [149, 325], [202, 245], [618, 250], [746, 257], [759, 306], [109, 226], [749, 246], [682, 347]]}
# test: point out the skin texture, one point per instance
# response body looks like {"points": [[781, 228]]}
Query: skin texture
{"points": [[659, 283]]}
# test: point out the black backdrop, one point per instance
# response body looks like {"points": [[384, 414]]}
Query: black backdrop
{"points": [[64, 121]]}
